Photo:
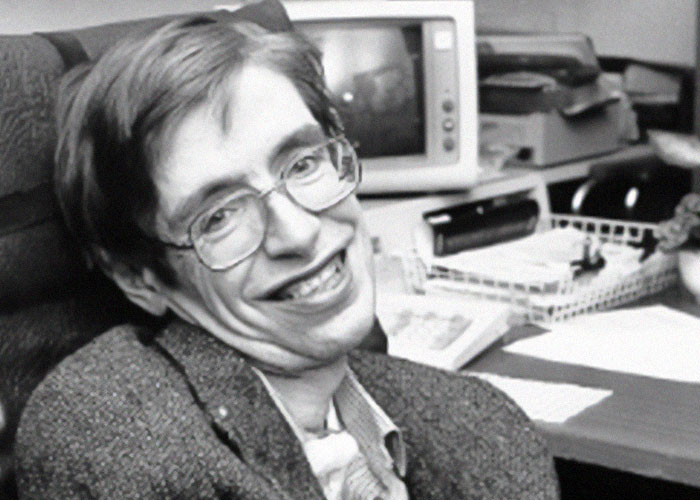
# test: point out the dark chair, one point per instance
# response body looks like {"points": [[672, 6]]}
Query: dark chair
{"points": [[50, 303]]}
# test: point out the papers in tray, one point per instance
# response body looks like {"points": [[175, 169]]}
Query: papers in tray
{"points": [[437, 330], [545, 257]]}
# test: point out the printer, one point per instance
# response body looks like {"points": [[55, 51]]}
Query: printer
{"points": [[544, 100]]}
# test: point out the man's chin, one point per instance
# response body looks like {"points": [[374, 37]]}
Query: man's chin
{"points": [[327, 347], [331, 351]]}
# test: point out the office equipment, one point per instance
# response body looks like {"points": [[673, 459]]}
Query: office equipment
{"points": [[568, 57], [580, 169], [438, 331], [544, 262], [553, 402], [397, 223], [536, 275], [543, 95], [481, 223], [404, 76], [648, 85], [635, 190]]}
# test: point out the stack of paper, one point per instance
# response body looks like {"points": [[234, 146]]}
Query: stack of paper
{"points": [[542, 257]]}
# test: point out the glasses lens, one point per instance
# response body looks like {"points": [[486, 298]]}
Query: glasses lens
{"points": [[229, 232], [323, 176]]}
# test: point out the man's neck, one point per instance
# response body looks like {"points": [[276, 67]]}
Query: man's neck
{"points": [[307, 395]]}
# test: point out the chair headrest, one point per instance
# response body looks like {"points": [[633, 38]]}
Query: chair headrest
{"points": [[36, 257]]}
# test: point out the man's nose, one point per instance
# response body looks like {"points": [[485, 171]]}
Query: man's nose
{"points": [[291, 230]]}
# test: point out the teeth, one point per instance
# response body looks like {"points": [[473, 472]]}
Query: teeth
{"points": [[325, 279]]}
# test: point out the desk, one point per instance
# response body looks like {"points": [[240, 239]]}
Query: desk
{"points": [[648, 426]]}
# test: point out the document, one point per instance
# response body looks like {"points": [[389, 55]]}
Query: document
{"points": [[543, 257], [441, 331], [653, 341], [553, 402]]}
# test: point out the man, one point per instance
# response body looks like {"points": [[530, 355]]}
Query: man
{"points": [[204, 169]]}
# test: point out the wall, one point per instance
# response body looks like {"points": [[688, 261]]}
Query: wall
{"points": [[652, 30], [655, 30], [25, 16]]}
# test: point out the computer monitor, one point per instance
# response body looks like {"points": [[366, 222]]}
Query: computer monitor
{"points": [[403, 74]]}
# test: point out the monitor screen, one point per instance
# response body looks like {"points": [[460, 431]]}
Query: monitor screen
{"points": [[375, 71]]}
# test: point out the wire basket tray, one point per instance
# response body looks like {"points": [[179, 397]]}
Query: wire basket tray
{"points": [[558, 300]]}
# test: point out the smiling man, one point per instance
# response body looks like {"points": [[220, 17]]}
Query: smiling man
{"points": [[204, 169]]}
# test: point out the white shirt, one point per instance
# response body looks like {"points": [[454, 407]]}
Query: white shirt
{"points": [[360, 455]]}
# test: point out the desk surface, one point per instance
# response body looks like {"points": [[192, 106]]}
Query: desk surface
{"points": [[648, 426]]}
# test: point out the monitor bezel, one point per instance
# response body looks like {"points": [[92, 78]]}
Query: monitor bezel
{"points": [[422, 173]]}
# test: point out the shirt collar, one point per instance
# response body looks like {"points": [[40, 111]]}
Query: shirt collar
{"points": [[378, 437]]}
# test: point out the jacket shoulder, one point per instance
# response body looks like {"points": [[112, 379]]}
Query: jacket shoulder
{"points": [[418, 384], [483, 443], [98, 373], [105, 422]]}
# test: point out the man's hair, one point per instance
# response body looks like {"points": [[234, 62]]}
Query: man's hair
{"points": [[115, 114]]}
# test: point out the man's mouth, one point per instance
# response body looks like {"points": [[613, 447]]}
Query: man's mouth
{"points": [[325, 279]]}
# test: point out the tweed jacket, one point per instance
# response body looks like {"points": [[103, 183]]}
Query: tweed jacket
{"points": [[181, 415]]}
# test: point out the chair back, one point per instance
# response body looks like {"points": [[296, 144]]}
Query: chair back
{"points": [[50, 302]]}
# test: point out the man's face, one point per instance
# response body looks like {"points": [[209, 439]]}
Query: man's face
{"points": [[306, 296]]}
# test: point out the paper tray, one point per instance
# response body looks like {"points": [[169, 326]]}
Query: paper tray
{"points": [[557, 300]]}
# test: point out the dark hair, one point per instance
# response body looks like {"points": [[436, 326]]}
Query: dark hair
{"points": [[113, 117]]}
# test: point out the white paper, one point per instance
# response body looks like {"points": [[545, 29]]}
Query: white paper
{"points": [[553, 402], [653, 341], [541, 257]]}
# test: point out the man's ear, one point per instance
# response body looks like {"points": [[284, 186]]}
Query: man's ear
{"points": [[143, 287]]}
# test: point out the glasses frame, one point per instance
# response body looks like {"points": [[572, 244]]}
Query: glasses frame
{"points": [[279, 186]]}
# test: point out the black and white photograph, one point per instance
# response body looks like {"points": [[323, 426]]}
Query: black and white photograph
{"points": [[350, 249]]}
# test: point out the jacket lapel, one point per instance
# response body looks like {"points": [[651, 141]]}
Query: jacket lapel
{"points": [[241, 409], [418, 425]]}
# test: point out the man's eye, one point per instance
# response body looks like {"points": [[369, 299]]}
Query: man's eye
{"points": [[221, 219], [304, 167]]}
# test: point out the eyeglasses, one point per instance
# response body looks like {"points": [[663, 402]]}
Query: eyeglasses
{"points": [[317, 178]]}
